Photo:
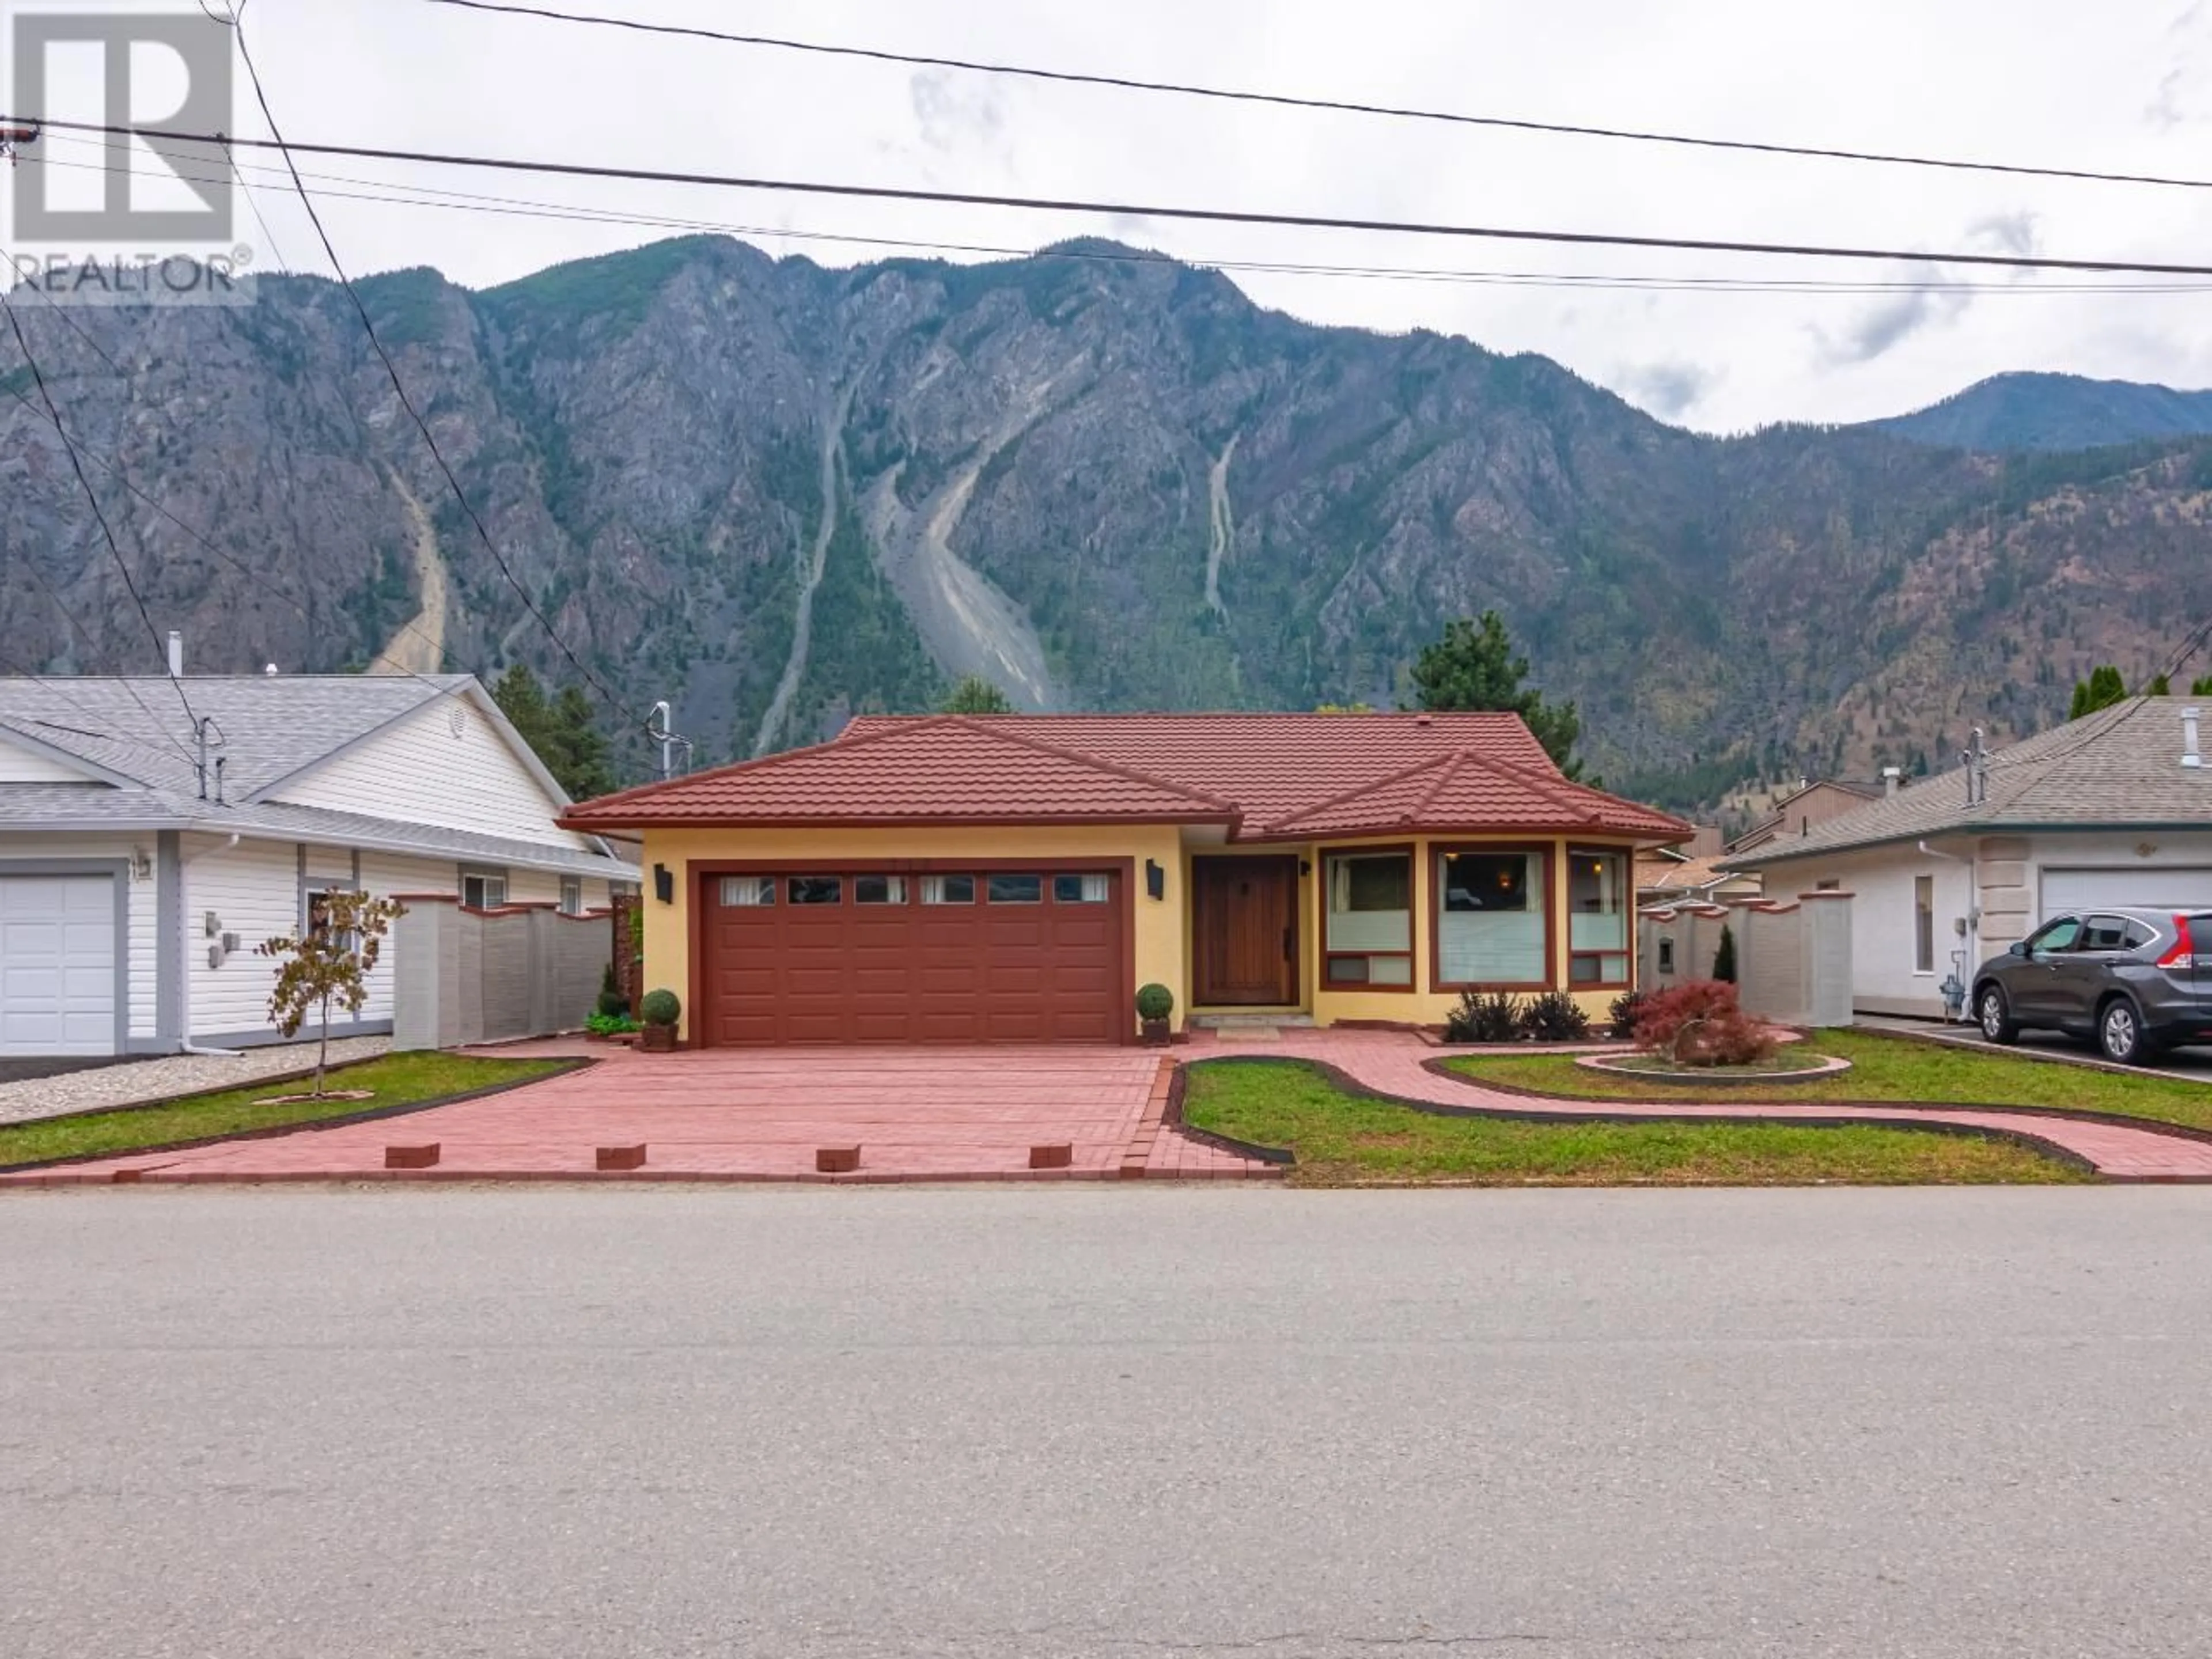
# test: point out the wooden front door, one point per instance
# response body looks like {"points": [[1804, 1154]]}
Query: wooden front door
{"points": [[1245, 931]]}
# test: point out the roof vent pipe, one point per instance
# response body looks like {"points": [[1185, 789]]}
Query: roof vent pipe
{"points": [[176, 655], [1892, 777], [2190, 756]]}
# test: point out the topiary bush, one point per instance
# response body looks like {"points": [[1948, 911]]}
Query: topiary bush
{"points": [[660, 1008], [1480, 1019], [1702, 1023], [1554, 1017], [1155, 1002], [612, 1003]]}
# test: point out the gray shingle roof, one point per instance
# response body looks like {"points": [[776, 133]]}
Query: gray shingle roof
{"points": [[272, 727], [2120, 768]]}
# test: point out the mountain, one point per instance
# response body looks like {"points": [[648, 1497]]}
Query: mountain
{"points": [[777, 494], [2024, 411]]}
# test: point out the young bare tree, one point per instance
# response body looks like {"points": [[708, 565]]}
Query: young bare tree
{"points": [[329, 963]]}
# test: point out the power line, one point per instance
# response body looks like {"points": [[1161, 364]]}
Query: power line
{"points": [[77, 465], [465, 201], [392, 369], [1343, 106], [1139, 210]]}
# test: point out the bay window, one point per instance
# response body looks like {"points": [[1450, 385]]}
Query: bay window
{"points": [[1493, 922], [1597, 918], [1369, 936]]}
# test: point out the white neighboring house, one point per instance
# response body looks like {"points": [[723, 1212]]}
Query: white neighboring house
{"points": [[131, 901], [2113, 809]]}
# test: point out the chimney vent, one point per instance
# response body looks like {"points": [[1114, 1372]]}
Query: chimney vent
{"points": [[176, 655], [1892, 777], [2191, 755]]}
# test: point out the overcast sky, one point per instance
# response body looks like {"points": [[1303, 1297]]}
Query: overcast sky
{"points": [[2125, 86]]}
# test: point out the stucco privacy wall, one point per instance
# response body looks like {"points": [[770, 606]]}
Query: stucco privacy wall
{"points": [[1158, 929], [463, 977]]}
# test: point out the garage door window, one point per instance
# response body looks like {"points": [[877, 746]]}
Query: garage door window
{"points": [[1017, 890], [880, 890], [948, 890], [745, 892], [1078, 890], [817, 889]]}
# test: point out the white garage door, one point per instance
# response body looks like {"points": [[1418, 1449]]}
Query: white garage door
{"points": [[2142, 887], [57, 965]]}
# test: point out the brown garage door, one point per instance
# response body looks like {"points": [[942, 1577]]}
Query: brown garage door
{"points": [[840, 956]]}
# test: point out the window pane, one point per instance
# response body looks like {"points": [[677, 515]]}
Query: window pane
{"points": [[948, 890], [1923, 923], [1017, 890], [1390, 970], [1491, 928], [1348, 970], [1078, 890], [1370, 904], [572, 895], [817, 889], [1597, 900], [741, 892], [880, 890]]}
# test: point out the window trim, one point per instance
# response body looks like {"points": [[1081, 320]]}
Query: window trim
{"points": [[1440, 850], [484, 873], [1323, 856], [1627, 951], [561, 903]]}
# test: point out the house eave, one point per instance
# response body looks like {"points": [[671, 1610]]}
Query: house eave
{"points": [[1979, 827]]}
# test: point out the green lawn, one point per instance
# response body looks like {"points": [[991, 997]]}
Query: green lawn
{"points": [[1343, 1139], [1885, 1068], [398, 1080]]}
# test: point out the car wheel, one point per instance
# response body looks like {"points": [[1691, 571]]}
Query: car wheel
{"points": [[1995, 1016], [2120, 1032]]}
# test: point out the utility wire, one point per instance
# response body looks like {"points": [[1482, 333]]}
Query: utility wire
{"points": [[392, 369], [460, 201], [77, 465], [1346, 106], [1132, 209]]}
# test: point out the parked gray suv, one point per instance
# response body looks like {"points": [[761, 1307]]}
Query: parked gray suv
{"points": [[2129, 980]]}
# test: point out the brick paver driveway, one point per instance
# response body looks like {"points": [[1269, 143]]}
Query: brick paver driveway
{"points": [[916, 1114]]}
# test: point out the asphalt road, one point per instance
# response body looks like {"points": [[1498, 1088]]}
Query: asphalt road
{"points": [[1032, 1423]]}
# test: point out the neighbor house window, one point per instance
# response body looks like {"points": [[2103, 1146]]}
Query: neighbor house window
{"points": [[748, 892], [1369, 935], [484, 889], [1923, 924], [948, 890], [1597, 917], [1491, 925], [1666, 954], [1078, 890], [816, 889], [572, 895], [1016, 890], [880, 890]]}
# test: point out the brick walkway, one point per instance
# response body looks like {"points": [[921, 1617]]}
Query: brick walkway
{"points": [[1390, 1063], [915, 1114]]}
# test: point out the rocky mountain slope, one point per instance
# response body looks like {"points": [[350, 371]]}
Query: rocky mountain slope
{"points": [[777, 495], [2055, 411]]}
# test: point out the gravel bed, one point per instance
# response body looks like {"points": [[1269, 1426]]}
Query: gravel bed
{"points": [[138, 1081]]}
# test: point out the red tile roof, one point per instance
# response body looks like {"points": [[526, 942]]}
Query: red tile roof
{"points": [[1263, 775]]}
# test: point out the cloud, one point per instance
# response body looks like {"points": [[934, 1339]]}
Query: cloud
{"points": [[1892, 321], [953, 112], [2006, 232], [1666, 389]]}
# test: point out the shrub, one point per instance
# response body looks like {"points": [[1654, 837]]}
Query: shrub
{"points": [[1480, 1019], [660, 1008], [1155, 1002], [1702, 1023], [600, 1023], [1724, 957], [1626, 1008], [612, 1003], [1554, 1017]]}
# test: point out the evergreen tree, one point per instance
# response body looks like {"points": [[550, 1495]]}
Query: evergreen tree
{"points": [[1474, 667], [2201, 687], [977, 695], [2159, 687], [1724, 957], [2101, 690], [560, 732]]}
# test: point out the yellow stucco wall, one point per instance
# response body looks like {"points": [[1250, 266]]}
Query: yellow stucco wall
{"points": [[1162, 942], [1159, 923]]}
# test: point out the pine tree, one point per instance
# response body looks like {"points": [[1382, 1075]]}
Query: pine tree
{"points": [[2201, 686], [1724, 957], [977, 695], [2160, 686], [2101, 690], [1474, 666], [561, 733]]}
